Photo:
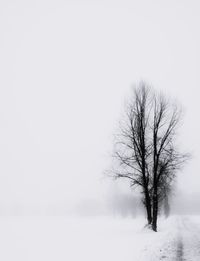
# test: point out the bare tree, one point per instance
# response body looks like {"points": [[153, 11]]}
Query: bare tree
{"points": [[145, 149], [132, 149]]}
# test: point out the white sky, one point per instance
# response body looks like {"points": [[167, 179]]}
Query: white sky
{"points": [[66, 68]]}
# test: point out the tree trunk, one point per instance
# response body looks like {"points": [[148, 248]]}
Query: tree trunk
{"points": [[148, 209], [155, 210]]}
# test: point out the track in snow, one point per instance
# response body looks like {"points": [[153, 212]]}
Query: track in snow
{"points": [[180, 246], [177, 240], [187, 240], [179, 251], [189, 233]]}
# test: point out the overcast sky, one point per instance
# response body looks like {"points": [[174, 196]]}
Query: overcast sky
{"points": [[66, 68]]}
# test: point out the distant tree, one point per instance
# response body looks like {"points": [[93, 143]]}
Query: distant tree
{"points": [[145, 150], [166, 206]]}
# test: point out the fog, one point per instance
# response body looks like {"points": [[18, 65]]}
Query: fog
{"points": [[67, 68]]}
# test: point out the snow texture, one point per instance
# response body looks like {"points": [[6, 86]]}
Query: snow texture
{"points": [[89, 239]]}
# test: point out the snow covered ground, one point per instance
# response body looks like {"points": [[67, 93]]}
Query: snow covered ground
{"points": [[95, 239], [178, 239]]}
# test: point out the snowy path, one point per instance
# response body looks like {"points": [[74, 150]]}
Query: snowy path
{"points": [[178, 240], [190, 240]]}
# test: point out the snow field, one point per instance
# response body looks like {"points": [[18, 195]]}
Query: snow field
{"points": [[74, 239], [98, 239]]}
